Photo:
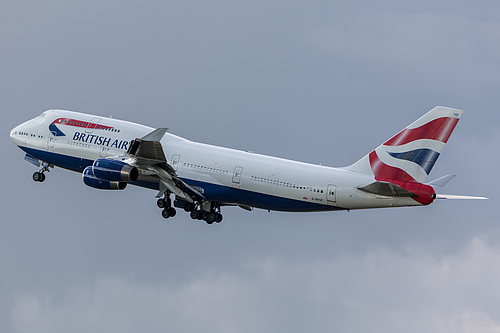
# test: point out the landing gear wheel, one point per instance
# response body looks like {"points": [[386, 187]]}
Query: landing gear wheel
{"points": [[42, 177], [37, 176], [165, 213], [161, 203], [210, 218], [171, 211], [218, 217], [194, 214], [188, 207]]}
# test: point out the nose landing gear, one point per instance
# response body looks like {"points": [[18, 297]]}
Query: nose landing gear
{"points": [[39, 176]]}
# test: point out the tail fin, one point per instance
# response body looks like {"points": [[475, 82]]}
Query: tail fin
{"points": [[410, 155]]}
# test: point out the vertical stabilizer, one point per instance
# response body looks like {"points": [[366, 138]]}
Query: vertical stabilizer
{"points": [[410, 155]]}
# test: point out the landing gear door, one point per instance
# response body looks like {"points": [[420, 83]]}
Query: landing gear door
{"points": [[237, 175], [331, 193]]}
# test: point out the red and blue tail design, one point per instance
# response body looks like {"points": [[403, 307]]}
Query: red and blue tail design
{"points": [[410, 155]]}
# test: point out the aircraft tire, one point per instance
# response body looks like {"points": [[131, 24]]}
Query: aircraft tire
{"points": [[42, 177], [188, 207], [218, 218], [172, 211], [36, 176], [161, 203], [165, 214], [194, 214], [210, 218]]}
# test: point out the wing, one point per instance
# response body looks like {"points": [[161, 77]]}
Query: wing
{"points": [[148, 156]]}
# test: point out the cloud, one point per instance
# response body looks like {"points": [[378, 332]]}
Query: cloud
{"points": [[380, 290], [416, 44], [400, 37]]}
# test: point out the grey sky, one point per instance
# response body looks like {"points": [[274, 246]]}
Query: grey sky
{"points": [[317, 81]]}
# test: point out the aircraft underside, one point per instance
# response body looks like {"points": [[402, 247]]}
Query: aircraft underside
{"points": [[207, 208]]}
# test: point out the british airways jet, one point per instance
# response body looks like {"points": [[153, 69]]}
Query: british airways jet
{"points": [[200, 178]]}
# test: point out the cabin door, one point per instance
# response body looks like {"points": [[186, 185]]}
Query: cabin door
{"points": [[237, 175], [331, 193], [50, 141], [175, 161]]}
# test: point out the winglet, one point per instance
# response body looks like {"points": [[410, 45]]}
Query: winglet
{"points": [[156, 135], [149, 146]]}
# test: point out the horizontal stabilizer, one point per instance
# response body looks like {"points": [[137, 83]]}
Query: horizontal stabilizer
{"points": [[459, 197], [442, 181], [386, 189]]}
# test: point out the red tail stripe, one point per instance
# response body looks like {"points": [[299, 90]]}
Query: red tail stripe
{"points": [[383, 171], [439, 129], [424, 194]]}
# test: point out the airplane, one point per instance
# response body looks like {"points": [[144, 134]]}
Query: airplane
{"points": [[202, 178]]}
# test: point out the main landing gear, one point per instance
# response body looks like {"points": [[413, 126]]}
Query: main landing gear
{"points": [[207, 211], [166, 205]]}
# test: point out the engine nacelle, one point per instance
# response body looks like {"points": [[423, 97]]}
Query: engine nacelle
{"points": [[116, 171], [91, 180]]}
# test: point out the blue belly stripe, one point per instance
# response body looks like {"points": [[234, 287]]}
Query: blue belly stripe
{"points": [[226, 194], [63, 161], [213, 192]]}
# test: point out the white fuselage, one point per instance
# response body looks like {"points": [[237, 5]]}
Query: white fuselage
{"points": [[223, 175]]}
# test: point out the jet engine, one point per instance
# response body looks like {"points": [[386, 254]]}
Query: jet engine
{"points": [[91, 180], [116, 171]]}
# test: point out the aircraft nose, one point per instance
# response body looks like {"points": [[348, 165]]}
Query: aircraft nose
{"points": [[12, 133], [15, 135]]}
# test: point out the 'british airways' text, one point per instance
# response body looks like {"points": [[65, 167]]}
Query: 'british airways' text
{"points": [[100, 140]]}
